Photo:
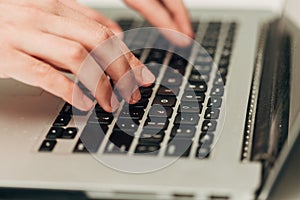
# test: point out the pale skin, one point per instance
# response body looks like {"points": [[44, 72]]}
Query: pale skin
{"points": [[41, 38]]}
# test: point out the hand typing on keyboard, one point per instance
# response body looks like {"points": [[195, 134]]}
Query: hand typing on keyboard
{"points": [[170, 14], [40, 39]]}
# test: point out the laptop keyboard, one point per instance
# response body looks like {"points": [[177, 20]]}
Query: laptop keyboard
{"points": [[177, 116]]}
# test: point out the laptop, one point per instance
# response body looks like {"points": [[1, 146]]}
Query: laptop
{"points": [[218, 123]]}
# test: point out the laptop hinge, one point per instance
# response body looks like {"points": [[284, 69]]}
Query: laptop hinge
{"points": [[271, 120]]}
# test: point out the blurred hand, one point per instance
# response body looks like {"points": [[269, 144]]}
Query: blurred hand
{"points": [[41, 38], [170, 14]]}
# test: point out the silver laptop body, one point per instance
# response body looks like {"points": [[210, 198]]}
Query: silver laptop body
{"points": [[231, 170]]}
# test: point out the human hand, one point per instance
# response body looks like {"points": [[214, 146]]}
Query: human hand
{"points": [[41, 38], [170, 14]]}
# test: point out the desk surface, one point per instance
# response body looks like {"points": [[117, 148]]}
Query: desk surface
{"points": [[288, 182]]}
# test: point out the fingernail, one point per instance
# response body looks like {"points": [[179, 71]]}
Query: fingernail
{"points": [[136, 96], [114, 103], [87, 102], [147, 76]]}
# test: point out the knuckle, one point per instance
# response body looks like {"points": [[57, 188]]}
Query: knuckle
{"points": [[53, 5], [31, 13], [41, 69], [103, 33], [77, 53]]}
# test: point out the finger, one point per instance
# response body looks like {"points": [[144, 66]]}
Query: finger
{"points": [[93, 15], [161, 19], [142, 74], [73, 57], [108, 51], [180, 15], [34, 72]]}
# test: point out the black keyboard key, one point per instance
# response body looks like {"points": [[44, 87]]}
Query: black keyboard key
{"points": [[211, 51], [214, 25], [203, 58], [209, 43], [177, 71], [132, 113], [217, 91], [191, 96], [99, 109], [154, 67], [138, 52], [167, 101], [150, 136], [93, 122], [101, 118], [55, 132], [228, 44], [160, 111], [68, 109], [126, 125], [92, 137], [177, 62], [156, 55], [198, 78], [156, 123], [209, 126], [142, 103], [69, 133], [226, 53], [80, 148], [206, 138], [219, 80], [203, 151], [147, 149], [222, 72], [201, 52], [201, 69], [215, 102], [187, 119], [190, 107], [223, 63], [114, 149], [179, 147], [105, 118], [121, 139], [212, 113], [199, 87], [183, 131], [172, 80], [146, 92], [168, 91], [62, 120], [48, 145]]}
